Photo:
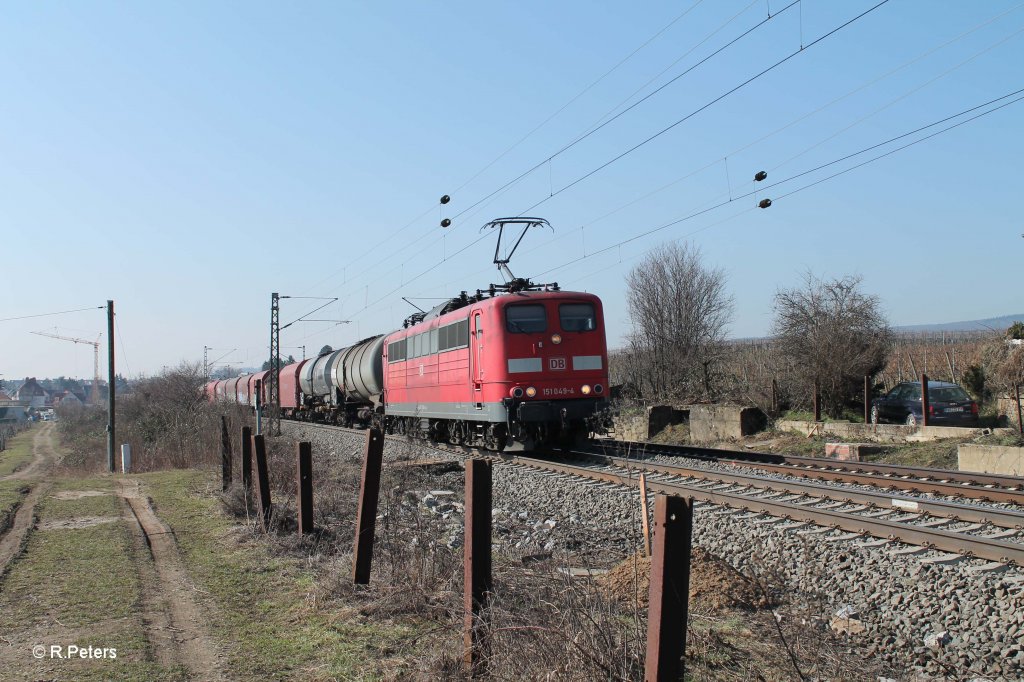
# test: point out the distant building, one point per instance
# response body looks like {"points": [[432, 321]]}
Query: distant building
{"points": [[68, 398], [4, 396], [32, 394]]}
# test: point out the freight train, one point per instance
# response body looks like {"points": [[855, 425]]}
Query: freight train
{"points": [[513, 370]]}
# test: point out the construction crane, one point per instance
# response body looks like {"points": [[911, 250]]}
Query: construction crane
{"points": [[94, 394]]}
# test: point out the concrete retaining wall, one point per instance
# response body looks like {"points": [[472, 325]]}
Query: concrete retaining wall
{"points": [[646, 425], [711, 423], [991, 459], [878, 433]]}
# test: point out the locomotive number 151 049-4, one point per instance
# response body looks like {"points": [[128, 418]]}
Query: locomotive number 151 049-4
{"points": [[558, 391]]}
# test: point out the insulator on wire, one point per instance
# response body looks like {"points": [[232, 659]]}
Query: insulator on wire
{"points": [[446, 222], [761, 175], [445, 199], [764, 203]]}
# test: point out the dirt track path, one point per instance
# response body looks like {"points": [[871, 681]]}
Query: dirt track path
{"points": [[44, 454], [173, 619]]}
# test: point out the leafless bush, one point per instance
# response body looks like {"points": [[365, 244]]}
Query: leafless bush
{"points": [[832, 332], [547, 625], [166, 419], [680, 310]]}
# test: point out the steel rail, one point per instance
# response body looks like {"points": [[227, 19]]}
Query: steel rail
{"points": [[991, 549], [915, 479], [970, 513], [968, 545]]}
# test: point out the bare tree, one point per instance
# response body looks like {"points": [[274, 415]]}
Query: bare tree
{"points": [[833, 332], [680, 310]]}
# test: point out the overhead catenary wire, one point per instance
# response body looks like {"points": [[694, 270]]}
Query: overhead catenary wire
{"points": [[490, 164], [60, 312], [813, 170], [861, 119], [707, 105], [584, 136], [670, 127]]}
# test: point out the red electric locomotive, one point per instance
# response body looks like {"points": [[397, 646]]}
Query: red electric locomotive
{"points": [[506, 372]]}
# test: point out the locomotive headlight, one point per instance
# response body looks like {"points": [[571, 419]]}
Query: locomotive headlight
{"points": [[598, 389], [531, 391], [556, 339], [516, 392], [585, 389]]}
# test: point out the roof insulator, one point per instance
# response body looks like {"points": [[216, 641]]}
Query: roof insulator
{"points": [[445, 199], [764, 203], [446, 222], [761, 175]]}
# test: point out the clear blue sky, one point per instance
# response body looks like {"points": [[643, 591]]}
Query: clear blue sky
{"points": [[187, 159]]}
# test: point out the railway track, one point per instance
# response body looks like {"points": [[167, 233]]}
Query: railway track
{"points": [[976, 485], [870, 518]]}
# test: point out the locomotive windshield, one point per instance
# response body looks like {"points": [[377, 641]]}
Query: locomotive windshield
{"points": [[526, 318], [577, 317]]}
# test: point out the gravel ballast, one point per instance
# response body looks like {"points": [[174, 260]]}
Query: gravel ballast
{"points": [[946, 620]]}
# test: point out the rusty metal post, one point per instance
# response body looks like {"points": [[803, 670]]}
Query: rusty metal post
{"points": [[644, 521], [476, 565], [670, 588], [867, 399], [225, 454], [1020, 418], [817, 401], [775, 398], [247, 458], [366, 519], [304, 452], [925, 403], [265, 506]]}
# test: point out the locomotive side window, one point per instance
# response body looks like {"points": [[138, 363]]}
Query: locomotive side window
{"points": [[396, 351], [451, 336], [577, 317], [526, 318], [433, 341]]}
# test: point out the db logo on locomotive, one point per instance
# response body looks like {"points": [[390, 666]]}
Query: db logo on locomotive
{"points": [[556, 363]]}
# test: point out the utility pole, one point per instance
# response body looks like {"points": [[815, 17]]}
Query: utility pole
{"points": [[206, 364], [273, 390], [110, 386]]}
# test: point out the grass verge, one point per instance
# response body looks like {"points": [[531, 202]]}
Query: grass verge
{"points": [[264, 605], [17, 454], [77, 583]]}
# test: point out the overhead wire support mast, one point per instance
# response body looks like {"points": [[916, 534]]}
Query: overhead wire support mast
{"points": [[272, 380]]}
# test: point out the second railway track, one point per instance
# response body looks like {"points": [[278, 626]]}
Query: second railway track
{"points": [[877, 519], [969, 484]]}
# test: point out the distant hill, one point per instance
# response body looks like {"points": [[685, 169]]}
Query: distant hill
{"points": [[997, 323]]}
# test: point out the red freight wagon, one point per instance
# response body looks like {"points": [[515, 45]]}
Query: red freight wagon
{"points": [[507, 371], [210, 391], [291, 399], [222, 389], [259, 379]]}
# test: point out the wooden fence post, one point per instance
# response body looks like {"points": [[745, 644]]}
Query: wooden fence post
{"points": [[225, 454], [265, 506], [366, 519], [867, 399], [925, 402], [477, 585], [304, 472], [247, 458], [670, 589], [817, 401]]}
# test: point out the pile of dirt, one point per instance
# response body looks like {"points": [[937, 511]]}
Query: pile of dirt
{"points": [[714, 584]]}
